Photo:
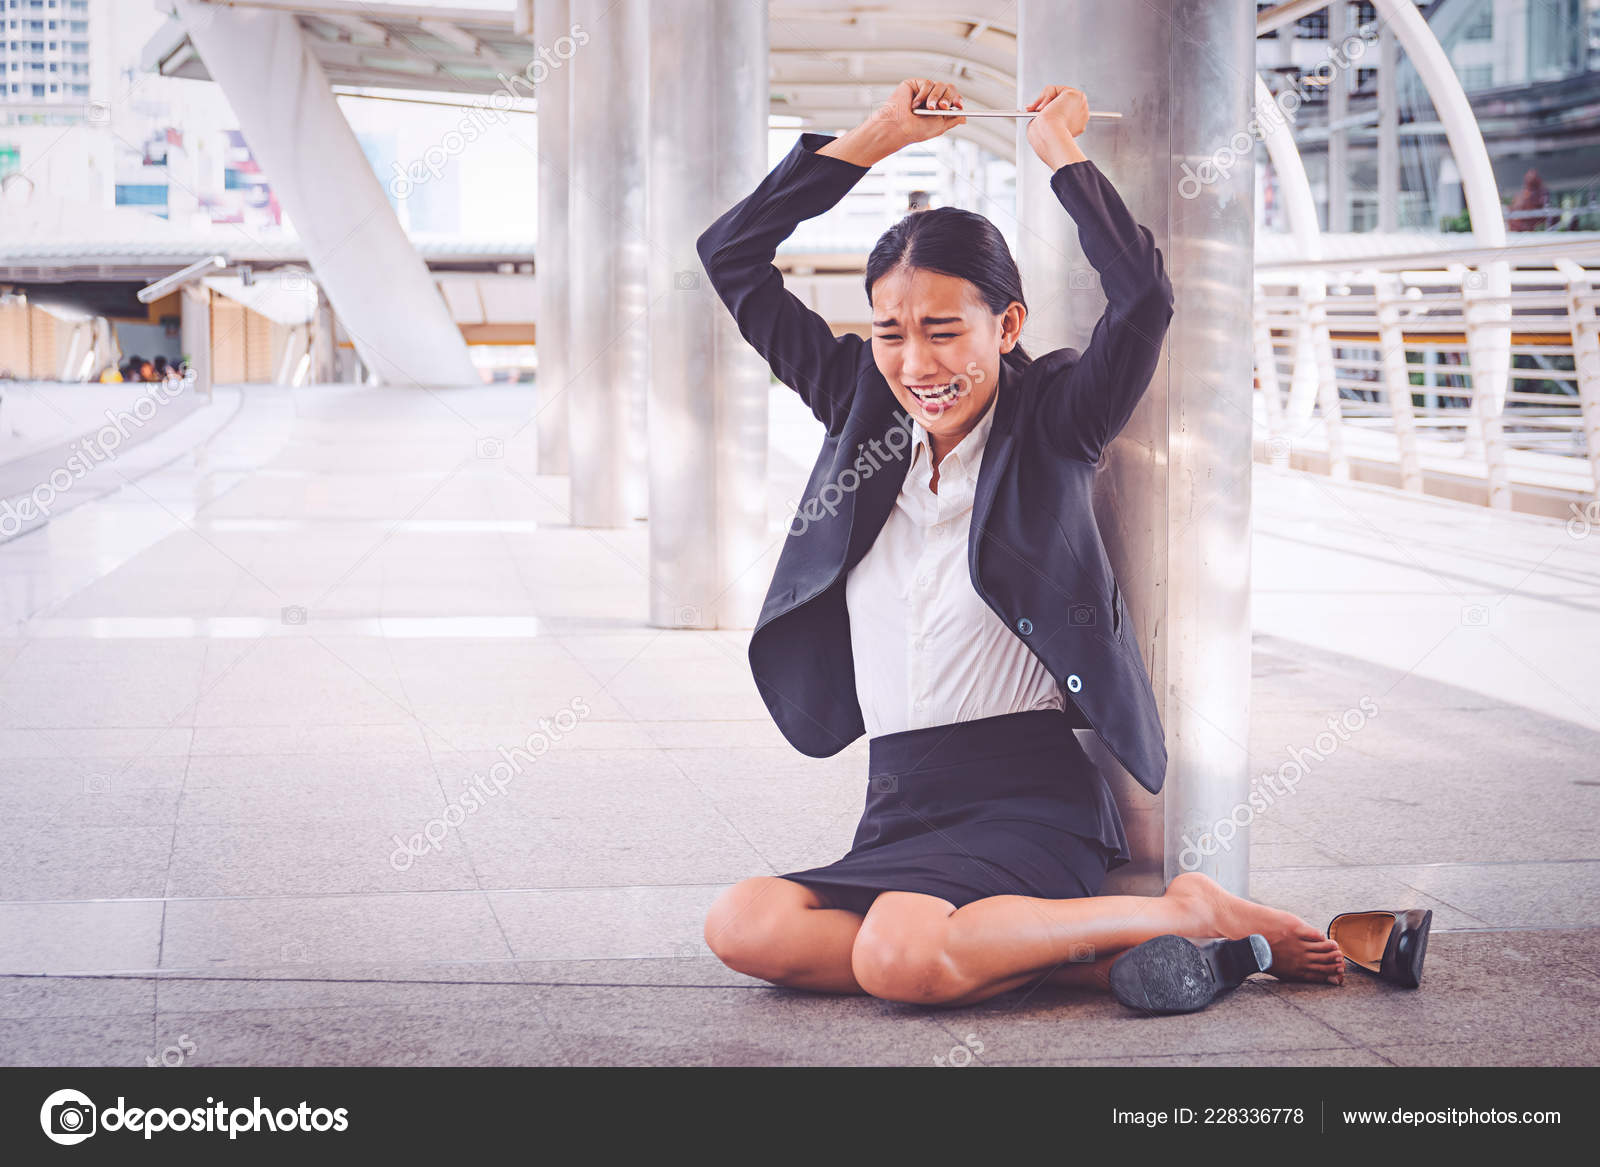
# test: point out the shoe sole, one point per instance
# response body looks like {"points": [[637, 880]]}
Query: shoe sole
{"points": [[1172, 975]]}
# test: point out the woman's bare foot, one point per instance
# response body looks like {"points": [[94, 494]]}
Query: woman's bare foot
{"points": [[1299, 951]]}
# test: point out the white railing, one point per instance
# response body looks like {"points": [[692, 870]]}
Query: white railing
{"points": [[1438, 372]]}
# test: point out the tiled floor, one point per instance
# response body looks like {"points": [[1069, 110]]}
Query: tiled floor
{"points": [[229, 686]]}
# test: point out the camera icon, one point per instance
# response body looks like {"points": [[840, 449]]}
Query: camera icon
{"points": [[295, 281], [293, 614], [72, 1118], [68, 1117], [97, 112], [294, 952], [885, 783], [1474, 615], [1081, 952], [97, 784], [687, 615], [1278, 451], [491, 448], [1082, 278], [1475, 279], [686, 281], [1082, 615]]}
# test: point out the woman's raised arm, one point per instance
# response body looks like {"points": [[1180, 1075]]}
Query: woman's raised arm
{"points": [[738, 249], [1080, 413]]}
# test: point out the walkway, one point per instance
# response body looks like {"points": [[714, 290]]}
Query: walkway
{"points": [[230, 685]]}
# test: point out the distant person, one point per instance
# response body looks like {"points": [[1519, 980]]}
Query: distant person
{"points": [[1532, 197], [918, 200], [147, 371], [160, 366]]}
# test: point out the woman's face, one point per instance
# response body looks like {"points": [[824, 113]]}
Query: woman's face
{"points": [[938, 346]]}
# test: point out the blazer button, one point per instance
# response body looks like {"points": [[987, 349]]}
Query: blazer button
{"points": [[1074, 683], [1024, 626]]}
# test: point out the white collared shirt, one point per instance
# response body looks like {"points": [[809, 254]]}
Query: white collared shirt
{"points": [[928, 650]]}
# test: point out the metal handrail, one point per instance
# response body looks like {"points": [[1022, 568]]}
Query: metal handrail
{"points": [[1481, 363]]}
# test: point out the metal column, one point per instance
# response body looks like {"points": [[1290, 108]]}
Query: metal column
{"points": [[1388, 132], [194, 327], [708, 388], [1173, 498], [1338, 184], [609, 360], [553, 273]]}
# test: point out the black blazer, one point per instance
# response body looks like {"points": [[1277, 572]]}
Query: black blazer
{"points": [[1034, 551]]}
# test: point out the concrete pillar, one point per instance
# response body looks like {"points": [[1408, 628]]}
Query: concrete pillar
{"points": [[1388, 132], [610, 286], [378, 284], [194, 329], [1173, 497], [324, 350], [708, 388], [1338, 136], [553, 272]]}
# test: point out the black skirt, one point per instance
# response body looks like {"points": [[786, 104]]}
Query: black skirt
{"points": [[1004, 805]]}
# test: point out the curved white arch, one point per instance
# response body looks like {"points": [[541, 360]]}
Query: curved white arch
{"points": [[1455, 114], [1286, 160]]}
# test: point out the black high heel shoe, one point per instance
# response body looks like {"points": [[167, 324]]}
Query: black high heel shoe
{"points": [[1169, 974], [1389, 944]]}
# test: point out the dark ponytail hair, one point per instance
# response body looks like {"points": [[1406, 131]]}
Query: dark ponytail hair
{"points": [[956, 243]]}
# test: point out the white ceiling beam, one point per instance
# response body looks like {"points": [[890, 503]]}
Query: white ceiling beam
{"points": [[361, 30]]}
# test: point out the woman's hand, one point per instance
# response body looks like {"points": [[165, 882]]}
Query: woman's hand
{"points": [[893, 125], [1064, 114], [920, 92]]}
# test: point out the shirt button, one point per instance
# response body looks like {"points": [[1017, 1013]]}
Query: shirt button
{"points": [[1074, 683], [1024, 626]]}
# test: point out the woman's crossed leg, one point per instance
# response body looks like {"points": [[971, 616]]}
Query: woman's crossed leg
{"points": [[922, 949]]}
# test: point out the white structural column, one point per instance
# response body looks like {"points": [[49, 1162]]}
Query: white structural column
{"points": [[1338, 134], [78, 343], [1488, 298], [708, 388], [609, 359], [553, 271], [194, 326], [378, 284], [1173, 496], [1305, 385], [1388, 131], [1397, 375], [1582, 300]]}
